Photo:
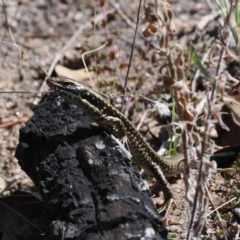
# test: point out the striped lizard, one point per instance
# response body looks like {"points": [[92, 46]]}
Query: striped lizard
{"points": [[114, 122]]}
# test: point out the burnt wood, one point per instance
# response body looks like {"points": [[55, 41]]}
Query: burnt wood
{"points": [[90, 189]]}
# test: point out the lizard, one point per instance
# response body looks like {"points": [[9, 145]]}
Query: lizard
{"points": [[114, 122]]}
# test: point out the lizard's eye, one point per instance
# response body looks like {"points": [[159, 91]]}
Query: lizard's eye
{"points": [[67, 84], [85, 94]]}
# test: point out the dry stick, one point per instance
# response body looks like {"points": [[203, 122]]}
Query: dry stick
{"points": [[217, 73], [196, 192], [199, 180], [67, 45], [203, 147], [12, 123], [216, 209], [142, 119], [85, 65], [139, 73], [131, 54], [128, 21]]}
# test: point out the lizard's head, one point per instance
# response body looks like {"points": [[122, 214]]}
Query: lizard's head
{"points": [[66, 84], [76, 92]]}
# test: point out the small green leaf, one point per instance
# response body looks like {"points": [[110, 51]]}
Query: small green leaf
{"points": [[197, 61]]}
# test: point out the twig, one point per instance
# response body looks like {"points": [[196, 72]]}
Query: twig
{"points": [[216, 209], [142, 119], [12, 123], [231, 200], [131, 54], [84, 63]]}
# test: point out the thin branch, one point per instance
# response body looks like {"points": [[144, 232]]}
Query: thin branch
{"points": [[131, 54]]}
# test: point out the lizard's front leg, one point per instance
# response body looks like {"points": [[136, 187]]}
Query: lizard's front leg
{"points": [[113, 125]]}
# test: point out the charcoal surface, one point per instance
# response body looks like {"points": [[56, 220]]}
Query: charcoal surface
{"points": [[90, 189]]}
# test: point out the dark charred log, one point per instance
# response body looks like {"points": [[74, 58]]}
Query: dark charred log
{"points": [[89, 187]]}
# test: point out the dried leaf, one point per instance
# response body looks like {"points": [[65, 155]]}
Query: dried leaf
{"points": [[150, 30], [168, 17], [186, 114], [79, 75], [167, 81], [177, 86], [179, 59], [102, 2]]}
